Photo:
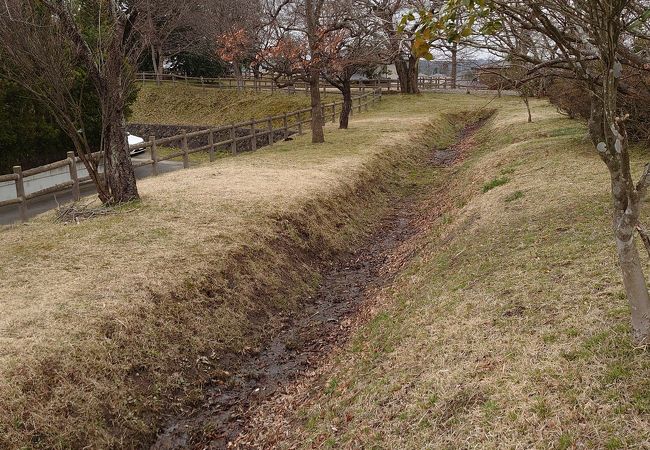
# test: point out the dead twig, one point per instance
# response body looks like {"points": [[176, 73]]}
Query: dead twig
{"points": [[76, 212]]}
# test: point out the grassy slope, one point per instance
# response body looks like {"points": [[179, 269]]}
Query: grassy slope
{"points": [[188, 105], [108, 324], [509, 329]]}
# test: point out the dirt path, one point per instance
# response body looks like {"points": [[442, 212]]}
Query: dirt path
{"points": [[326, 320]]}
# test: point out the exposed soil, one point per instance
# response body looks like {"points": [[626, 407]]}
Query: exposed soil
{"points": [[325, 321], [449, 156]]}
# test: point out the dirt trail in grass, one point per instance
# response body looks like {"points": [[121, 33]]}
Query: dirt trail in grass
{"points": [[347, 292]]}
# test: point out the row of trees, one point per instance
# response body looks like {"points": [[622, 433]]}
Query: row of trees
{"points": [[601, 46], [60, 50], [332, 40], [65, 52]]}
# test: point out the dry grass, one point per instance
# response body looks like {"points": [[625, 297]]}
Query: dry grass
{"points": [[189, 105], [510, 327], [107, 325]]}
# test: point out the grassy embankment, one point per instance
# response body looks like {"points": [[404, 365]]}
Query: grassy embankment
{"points": [[108, 325], [510, 327], [190, 105]]}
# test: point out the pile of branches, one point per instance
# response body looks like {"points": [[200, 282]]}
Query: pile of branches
{"points": [[78, 212]]}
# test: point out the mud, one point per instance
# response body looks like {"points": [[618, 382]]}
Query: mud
{"points": [[324, 322], [449, 156]]}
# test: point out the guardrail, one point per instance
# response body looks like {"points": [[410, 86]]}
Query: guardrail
{"points": [[259, 132]]}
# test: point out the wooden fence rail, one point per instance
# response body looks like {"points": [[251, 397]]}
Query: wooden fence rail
{"points": [[269, 84], [265, 131]]}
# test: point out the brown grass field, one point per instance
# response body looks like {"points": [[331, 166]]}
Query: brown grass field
{"points": [[508, 329], [108, 325]]}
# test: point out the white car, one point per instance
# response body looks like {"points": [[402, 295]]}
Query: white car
{"points": [[135, 140]]}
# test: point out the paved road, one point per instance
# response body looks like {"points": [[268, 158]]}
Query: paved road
{"points": [[10, 214]]}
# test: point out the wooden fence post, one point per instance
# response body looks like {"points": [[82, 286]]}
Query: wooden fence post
{"points": [[359, 105], [365, 105], [333, 112], [186, 155], [233, 140], [285, 125], [202, 83], [253, 137], [299, 119], [211, 145], [154, 155], [76, 193], [270, 126], [20, 193]]}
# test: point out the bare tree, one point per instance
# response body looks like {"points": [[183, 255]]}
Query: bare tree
{"points": [[399, 35], [310, 22], [238, 34], [42, 45], [592, 41], [173, 27], [354, 50]]}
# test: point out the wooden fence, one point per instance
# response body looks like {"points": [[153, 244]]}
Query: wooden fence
{"points": [[268, 84], [247, 84], [258, 132]]}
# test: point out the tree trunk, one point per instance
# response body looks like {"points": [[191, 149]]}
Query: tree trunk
{"points": [[161, 66], [454, 64], [236, 68], [610, 139], [400, 68], [407, 73], [347, 105], [317, 133], [635, 288], [118, 169], [527, 103], [413, 72], [154, 62], [157, 61], [119, 175]]}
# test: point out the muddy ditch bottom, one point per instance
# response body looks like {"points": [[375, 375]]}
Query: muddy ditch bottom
{"points": [[324, 321]]}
